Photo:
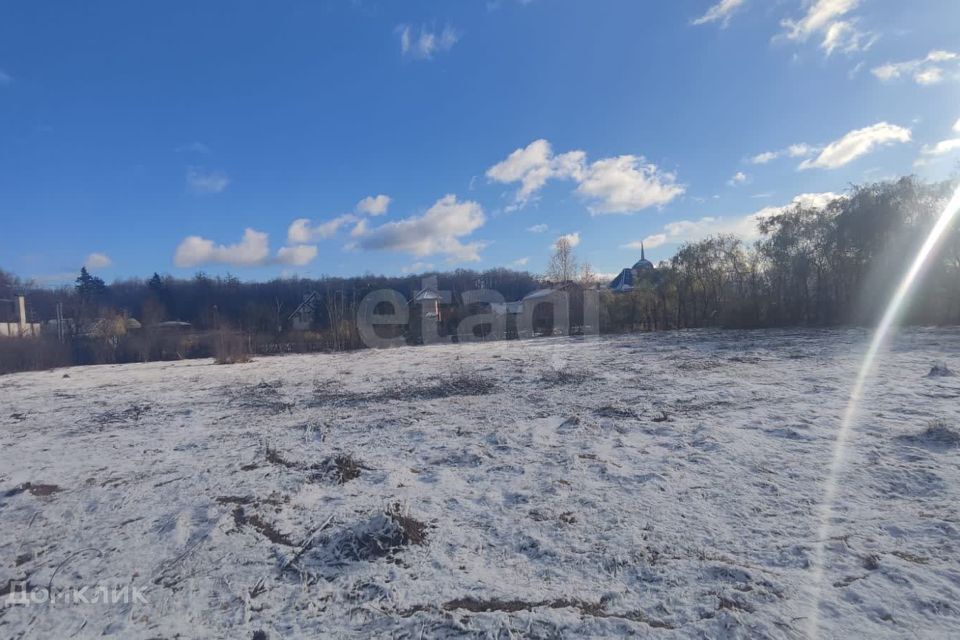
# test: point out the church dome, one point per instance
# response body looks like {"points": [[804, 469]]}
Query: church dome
{"points": [[643, 264]]}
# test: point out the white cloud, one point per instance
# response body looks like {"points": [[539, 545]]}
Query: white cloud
{"points": [[297, 255], [650, 242], [793, 151], [201, 181], [418, 267], [302, 231], [532, 166], [855, 144], [826, 18], [520, 262], [374, 205], [299, 231], [436, 232], [422, 44], [744, 227], [765, 157], [538, 228], [924, 71], [65, 277], [627, 184], [359, 229], [933, 75], [603, 276], [97, 261], [942, 148], [845, 37], [252, 250], [623, 184], [655, 240], [956, 126], [719, 12], [738, 178], [573, 239], [820, 15]]}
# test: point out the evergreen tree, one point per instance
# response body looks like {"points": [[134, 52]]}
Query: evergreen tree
{"points": [[89, 287], [155, 284]]}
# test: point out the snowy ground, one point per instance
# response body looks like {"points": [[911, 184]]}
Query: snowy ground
{"points": [[656, 485]]}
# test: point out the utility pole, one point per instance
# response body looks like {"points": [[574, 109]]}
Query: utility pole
{"points": [[60, 321], [279, 309], [216, 326]]}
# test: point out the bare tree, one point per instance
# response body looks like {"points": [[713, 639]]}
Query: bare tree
{"points": [[588, 277], [563, 264], [279, 305], [336, 314]]}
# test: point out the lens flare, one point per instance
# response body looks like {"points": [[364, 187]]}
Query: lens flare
{"points": [[887, 323]]}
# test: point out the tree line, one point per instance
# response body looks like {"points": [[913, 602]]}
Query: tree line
{"points": [[812, 266]]}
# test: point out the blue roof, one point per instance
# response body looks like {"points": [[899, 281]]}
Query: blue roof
{"points": [[623, 282]]}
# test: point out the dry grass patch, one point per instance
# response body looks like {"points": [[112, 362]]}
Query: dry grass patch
{"points": [[457, 386]]}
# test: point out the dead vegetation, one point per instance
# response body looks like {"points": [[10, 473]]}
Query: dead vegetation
{"points": [[583, 607], [261, 526], [698, 364], [273, 457], [910, 557], [341, 468], [475, 605], [937, 435], [133, 413], [733, 604], [414, 531], [231, 348], [940, 370], [458, 386], [562, 377], [235, 499], [39, 489], [264, 396], [611, 411], [383, 535]]}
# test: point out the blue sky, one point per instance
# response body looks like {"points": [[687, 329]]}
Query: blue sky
{"points": [[340, 137]]}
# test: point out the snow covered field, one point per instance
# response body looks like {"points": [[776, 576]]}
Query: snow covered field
{"points": [[660, 485]]}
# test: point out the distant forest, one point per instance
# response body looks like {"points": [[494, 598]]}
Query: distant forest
{"points": [[826, 266]]}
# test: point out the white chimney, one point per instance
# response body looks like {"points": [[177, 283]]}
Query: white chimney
{"points": [[22, 308]]}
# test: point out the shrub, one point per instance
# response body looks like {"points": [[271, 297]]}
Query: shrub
{"points": [[230, 348]]}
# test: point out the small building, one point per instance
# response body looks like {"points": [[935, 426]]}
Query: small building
{"points": [[430, 301], [507, 308], [303, 317], [20, 328], [432, 312], [554, 310], [172, 325]]}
